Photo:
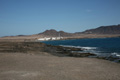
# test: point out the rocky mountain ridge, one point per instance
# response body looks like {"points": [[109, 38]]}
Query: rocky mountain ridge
{"points": [[55, 33], [113, 29], [103, 31]]}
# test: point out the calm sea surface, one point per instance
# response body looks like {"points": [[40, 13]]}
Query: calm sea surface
{"points": [[100, 46]]}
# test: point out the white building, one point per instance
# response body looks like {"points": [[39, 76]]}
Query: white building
{"points": [[47, 38], [41, 39], [53, 38], [44, 39], [50, 38], [58, 38]]}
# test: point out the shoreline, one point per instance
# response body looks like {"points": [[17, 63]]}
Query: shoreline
{"points": [[61, 51], [33, 39], [38, 61], [80, 38]]}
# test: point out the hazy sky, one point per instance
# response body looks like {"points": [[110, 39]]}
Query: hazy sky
{"points": [[34, 16]]}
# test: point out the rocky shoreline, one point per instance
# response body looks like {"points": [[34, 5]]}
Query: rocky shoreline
{"points": [[69, 51], [79, 52], [61, 51], [38, 61]]}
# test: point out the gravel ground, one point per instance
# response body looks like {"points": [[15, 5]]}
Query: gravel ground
{"points": [[21, 66]]}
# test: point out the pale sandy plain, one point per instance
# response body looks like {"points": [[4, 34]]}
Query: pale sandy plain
{"points": [[21, 66]]}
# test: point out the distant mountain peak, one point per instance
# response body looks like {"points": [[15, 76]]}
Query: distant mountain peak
{"points": [[113, 29], [54, 33], [51, 30]]}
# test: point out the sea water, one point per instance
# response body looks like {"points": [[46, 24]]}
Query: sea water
{"points": [[99, 46]]}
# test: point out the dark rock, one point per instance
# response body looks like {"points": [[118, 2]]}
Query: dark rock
{"points": [[113, 58], [23, 47], [81, 54]]}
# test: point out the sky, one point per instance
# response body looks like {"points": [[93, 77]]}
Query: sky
{"points": [[26, 17]]}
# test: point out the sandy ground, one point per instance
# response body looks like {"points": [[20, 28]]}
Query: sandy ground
{"points": [[20, 66]]}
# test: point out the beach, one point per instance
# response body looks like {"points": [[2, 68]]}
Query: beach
{"points": [[59, 39], [21, 66], [38, 61]]}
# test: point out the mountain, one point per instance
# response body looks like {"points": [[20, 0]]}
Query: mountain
{"points": [[54, 33], [103, 31], [114, 29]]}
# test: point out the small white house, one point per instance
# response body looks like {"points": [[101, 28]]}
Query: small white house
{"points": [[44, 39], [58, 38], [50, 38], [41, 39], [47, 38], [53, 38]]}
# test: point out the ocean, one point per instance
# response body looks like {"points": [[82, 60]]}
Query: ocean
{"points": [[100, 46]]}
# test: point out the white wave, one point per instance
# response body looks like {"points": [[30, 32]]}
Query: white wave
{"points": [[89, 48], [70, 46], [86, 48], [115, 54]]}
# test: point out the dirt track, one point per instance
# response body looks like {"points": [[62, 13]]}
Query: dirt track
{"points": [[21, 66]]}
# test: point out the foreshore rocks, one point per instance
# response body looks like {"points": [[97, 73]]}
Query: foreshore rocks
{"points": [[61, 51], [23, 47], [71, 51], [35, 47], [81, 54], [110, 58], [113, 58]]}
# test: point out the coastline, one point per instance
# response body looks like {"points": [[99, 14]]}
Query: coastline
{"points": [[35, 38], [38, 61], [61, 51]]}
